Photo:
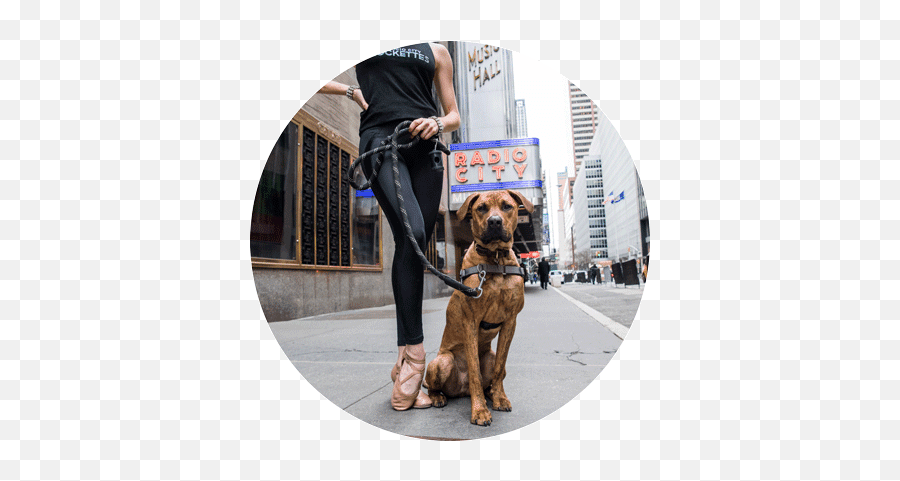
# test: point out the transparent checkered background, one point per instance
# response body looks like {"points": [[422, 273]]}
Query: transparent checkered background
{"points": [[133, 345]]}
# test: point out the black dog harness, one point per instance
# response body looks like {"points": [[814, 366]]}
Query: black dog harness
{"points": [[492, 269], [481, 270], [487, 326]]}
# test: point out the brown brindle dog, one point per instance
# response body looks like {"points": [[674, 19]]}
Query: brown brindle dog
{"points": [[473, 323]]}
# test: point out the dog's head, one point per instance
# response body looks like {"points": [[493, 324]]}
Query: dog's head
{"points": [[494, 216]]}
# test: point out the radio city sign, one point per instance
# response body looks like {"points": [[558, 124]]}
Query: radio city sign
{"points": [[493, 165]]}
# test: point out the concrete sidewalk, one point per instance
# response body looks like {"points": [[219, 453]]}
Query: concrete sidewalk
{"points": [[557, 351], [616, 302]]}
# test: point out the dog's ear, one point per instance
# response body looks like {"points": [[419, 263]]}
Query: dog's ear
{"points": [[464, 208], [522, 200]]}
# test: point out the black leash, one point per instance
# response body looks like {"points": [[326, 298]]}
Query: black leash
{"points": [[392, 144]]}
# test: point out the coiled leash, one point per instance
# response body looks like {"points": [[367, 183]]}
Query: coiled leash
{"points": [[392, 144]]}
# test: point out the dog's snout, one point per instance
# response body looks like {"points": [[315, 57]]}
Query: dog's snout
{"points": [[495, 221]]}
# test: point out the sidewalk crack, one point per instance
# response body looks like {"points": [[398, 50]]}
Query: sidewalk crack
{"points": [[570, 354]]}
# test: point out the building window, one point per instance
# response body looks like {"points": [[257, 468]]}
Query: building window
{"points": [[305, 214], [366, 224], [273, 223], [598, 223], [596, 213]]}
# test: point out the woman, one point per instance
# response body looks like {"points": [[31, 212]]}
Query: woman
{"points": [[396, 86]]}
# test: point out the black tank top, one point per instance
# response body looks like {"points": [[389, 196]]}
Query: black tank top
{"points": [[397, 84]]}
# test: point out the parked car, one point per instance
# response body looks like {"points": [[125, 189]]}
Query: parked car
{"points": [[581, 276], [558, 275]]}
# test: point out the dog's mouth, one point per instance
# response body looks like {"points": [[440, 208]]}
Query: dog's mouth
{"points": [[491, 235]]}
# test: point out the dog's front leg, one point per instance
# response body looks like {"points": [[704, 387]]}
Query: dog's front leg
{"points": [[481, 415], [498, 395]]}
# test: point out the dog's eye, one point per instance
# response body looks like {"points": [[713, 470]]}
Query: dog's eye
{"points": [[507, 207], [482, 208]]}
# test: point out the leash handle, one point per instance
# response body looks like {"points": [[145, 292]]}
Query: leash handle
{"points": [[391, 142]]}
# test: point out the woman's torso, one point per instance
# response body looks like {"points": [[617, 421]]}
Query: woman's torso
{"points": [[397, 85]]}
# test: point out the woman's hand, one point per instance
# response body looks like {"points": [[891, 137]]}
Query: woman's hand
{"points": [[423, 128], [337, 88], [360, 100]]}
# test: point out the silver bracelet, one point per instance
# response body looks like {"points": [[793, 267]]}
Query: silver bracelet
{"points": [[350, 90], [439, 124]]}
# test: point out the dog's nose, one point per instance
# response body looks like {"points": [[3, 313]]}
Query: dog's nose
{"points": [[495, 221]]}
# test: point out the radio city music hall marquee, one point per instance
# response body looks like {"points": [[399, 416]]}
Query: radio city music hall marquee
{"points": [[493, 165]]}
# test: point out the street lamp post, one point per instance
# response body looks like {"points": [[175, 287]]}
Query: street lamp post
{"points": [[572, 230], [617, 242]]}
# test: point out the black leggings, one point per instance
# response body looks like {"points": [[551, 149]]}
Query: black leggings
{"points": [[421, 180]]}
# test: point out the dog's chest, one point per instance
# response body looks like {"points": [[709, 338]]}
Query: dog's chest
{"points": [[503, 296], [507, 286]]}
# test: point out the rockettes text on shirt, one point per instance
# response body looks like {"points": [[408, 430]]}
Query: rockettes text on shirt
{"points": [[406, 52]]}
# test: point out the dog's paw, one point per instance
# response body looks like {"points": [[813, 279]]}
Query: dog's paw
{"points": [[438, 400], [481, 417], [501, 404]]}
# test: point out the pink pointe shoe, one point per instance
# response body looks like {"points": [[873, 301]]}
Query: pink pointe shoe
{"points": [[401, 401]]}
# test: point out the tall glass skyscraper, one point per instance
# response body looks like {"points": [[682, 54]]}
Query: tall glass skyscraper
{"points": [[521, 121], [585, 118]]}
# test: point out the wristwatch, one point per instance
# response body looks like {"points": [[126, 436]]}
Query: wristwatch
{"points": [[350, 90]]}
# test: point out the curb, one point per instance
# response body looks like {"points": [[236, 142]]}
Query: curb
{"points": [[619, 330]]}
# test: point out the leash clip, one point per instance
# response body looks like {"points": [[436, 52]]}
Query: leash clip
{"points": [[481, 275]]}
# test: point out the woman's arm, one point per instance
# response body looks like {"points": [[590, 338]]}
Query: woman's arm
{"points": [[337, 88], [443, 82]]}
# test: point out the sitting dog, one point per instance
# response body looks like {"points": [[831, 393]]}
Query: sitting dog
{"points": [[465, 364]]}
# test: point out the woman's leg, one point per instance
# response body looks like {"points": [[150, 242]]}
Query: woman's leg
{"points": [[427, 184], [387, 200], [420, 186], [421, 201]]}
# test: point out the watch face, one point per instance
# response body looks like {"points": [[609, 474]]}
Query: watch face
{"points": [[537, 175]]}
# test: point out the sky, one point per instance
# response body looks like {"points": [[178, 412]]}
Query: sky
{"points": [[546, 97]]}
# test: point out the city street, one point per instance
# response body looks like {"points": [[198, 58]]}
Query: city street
{"points": [[617, 303], [557, 351]]}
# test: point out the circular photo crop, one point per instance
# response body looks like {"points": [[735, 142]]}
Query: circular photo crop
{"points": [[449, 242]]}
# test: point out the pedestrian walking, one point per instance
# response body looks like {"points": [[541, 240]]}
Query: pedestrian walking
{"points": [[544, 272], [593, 273]]}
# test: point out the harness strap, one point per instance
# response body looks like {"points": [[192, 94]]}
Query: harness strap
{"points": [[492, 269], [487, 326]]}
